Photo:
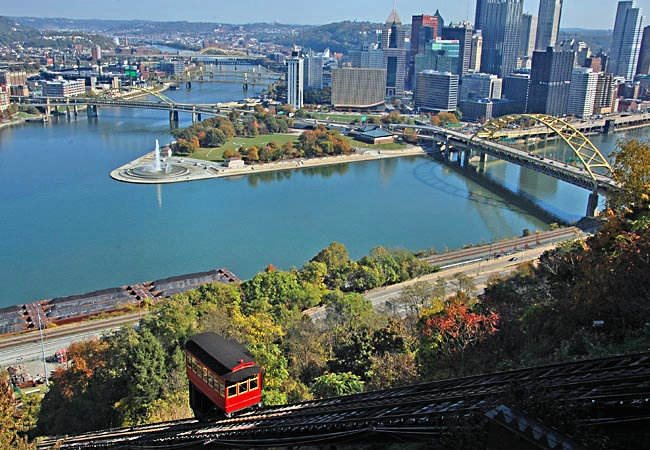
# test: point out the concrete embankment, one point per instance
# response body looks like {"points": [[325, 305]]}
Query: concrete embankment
{"points": [[188, 169]]}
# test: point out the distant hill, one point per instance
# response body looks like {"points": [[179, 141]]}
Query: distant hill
{"points": [[12, 31], [338, 36], [596, 39]]}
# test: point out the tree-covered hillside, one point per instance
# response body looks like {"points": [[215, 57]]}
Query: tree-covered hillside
{"points": [[338, 37]]}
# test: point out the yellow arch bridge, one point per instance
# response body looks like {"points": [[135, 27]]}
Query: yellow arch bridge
{"points": [[587, 168]]}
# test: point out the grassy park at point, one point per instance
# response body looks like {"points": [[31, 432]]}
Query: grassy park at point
{"points": [[216, 154]]}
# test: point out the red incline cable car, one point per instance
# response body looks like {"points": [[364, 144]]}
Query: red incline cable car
{"points": [[222, 375]]}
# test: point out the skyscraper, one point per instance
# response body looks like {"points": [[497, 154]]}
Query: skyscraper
{"points": [[477, 51], [626, 41], [478, 17], [501, 27], [440, 55], [295, 81], [550, 81], [548, 23], [528, 35], [463, 34], [392, 44], [436, 91], [313, 66], [423, 29], [643, 68], [582, 94]]}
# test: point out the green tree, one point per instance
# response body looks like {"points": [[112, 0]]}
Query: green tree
{"points": [[145, 378], [632, 169], [337, 384]]}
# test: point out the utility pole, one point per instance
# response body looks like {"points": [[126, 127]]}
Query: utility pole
{"points": [[40, 329]]}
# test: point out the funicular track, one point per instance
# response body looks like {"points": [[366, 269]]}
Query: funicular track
{"points": [[616, 390]]}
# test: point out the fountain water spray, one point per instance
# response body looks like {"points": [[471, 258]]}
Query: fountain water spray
{"points": [[158, 166]]}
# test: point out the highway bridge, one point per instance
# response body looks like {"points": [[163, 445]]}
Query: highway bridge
{"points": [[592, 170], [608, 396]]}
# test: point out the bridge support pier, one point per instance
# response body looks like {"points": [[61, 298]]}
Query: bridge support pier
{"points": [[188, 85], [68, 112], [467, 154], [592, 204], [75, 110], [198, 117], [173, 116], [483, 157], [91, 111]]}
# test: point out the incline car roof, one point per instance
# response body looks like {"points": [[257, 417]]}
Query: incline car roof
{"points": [[220, 354]]}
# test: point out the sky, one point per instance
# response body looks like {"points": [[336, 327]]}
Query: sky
{"points": [[596, 14]]}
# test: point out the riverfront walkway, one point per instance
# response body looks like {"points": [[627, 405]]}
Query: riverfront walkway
{"points": [[196, 169]]}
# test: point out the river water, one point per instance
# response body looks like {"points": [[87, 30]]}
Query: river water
{"points": [[66, 227]]}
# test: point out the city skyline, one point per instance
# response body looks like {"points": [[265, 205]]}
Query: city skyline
{"points": [[576, 13]]}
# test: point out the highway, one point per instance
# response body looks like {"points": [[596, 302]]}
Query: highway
{"points": [[477, 264], [480, 272]]}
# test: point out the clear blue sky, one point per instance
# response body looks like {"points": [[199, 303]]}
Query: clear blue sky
{"points": [[576, 13]]}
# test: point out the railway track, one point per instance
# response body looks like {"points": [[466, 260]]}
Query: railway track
{"points": [[500, 247], [616, 389]]}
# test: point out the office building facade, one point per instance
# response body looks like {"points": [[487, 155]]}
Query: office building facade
{"points": [[480, 85], [63, 88], [643, 66], [436, 91], [548, 23], [528, 36], [358, 89], [369, 57], [463, 34], [313, 66], [13, 78], [550, 81], [607, 86], [626, 40], [501, 27], [476, 52], [392, 45], [295, 81], [440, 55], [515, 89], [582, 93]]}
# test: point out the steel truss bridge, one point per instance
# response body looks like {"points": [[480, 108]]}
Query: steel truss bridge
{"points": [[92, 103], [591, 170], [611, 397]]}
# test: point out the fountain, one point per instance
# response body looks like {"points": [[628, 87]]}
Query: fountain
{"points": [[156, 170]]}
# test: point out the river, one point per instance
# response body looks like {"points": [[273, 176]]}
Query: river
{"points": [[66, 227]]}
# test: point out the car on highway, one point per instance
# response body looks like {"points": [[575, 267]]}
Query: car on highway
{"points": [[514, 258]]}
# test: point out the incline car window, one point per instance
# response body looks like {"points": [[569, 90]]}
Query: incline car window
{"points": [[232, 390], [253, 383]]}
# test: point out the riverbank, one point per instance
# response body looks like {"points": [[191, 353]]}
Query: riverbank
{"points": [[188, 169]]}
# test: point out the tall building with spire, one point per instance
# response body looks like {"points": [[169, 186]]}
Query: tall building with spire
{"points": [[424, 28], [548, 23], [500, 22], [392, 44], [626, 41]]}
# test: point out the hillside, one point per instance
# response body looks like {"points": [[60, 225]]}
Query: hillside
{"points": [[338, 37], [12, 31]]}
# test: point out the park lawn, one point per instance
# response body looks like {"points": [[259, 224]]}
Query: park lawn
{"points": [[347, 118], [216, 154], [392, 146]]}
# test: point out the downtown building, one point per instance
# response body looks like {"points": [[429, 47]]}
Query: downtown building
{"points": [[582, 93], [313, 67], [63, 88], [480, 86], [392, 45], [607, 86], [643, 67], [358, 89], [476, 51], [436, 91], [424, 28], [626, 40], [550, 81], [515, 88], [295, 81], [548, 24], [462, 33], [370, 56], [440, 55], [500, 22], [528, 36]]}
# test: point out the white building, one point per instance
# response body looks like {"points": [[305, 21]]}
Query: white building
{"points": [[64, 88], [480, 85], [582, 96], [295, 81], [313, 72]]}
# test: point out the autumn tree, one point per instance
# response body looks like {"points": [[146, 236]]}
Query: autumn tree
{"points": [[11, 420], [632, 170]]}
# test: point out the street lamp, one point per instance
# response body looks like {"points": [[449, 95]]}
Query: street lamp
{"points": [[40, 329]]}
